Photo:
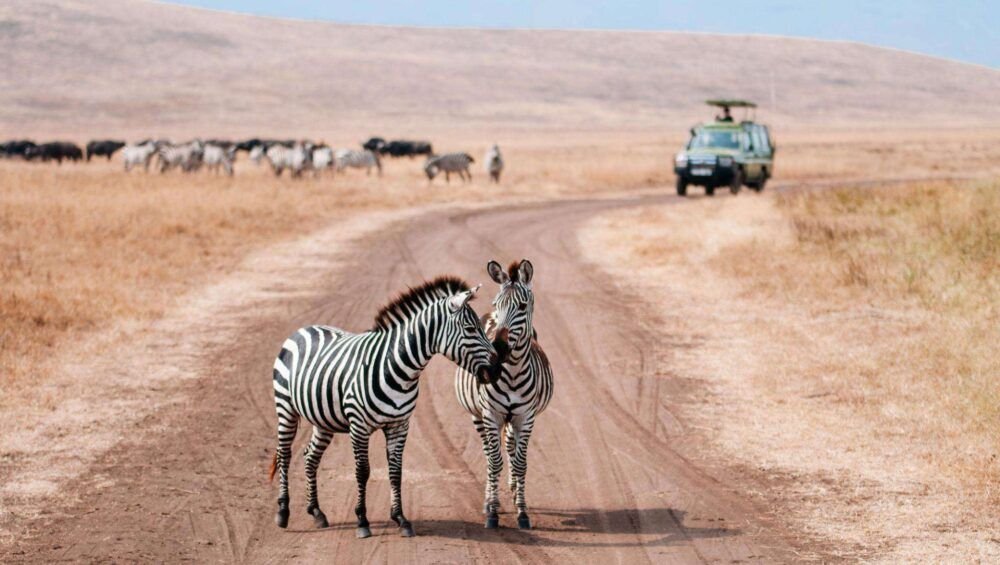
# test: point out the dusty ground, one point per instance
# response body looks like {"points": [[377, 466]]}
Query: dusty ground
{"points": [[187, 481], [855, 405]]}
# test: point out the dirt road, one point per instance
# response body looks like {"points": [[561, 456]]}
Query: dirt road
{"points": [[606, 482]]}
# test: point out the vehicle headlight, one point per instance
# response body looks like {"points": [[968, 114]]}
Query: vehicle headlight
{"points": [[681, 160], [725, 161]]}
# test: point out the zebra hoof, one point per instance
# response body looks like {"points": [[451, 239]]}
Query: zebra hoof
{"points": [[281, 518], [319, 519], [523, 522], [406, 530], [492, 522], [363, 532]]}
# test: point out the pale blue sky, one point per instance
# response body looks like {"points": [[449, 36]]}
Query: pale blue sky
{"points": [[966, 30]]}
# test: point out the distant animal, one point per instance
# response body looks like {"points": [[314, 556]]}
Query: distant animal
{"points": [[296, 159], [357, 384], [55, 150], [186, 156], [248, 144], [506, 408], [17, 148], [374, 144], [404, 148], [449, 163], [139, 154], [322, 159], [105, 147], [215, 157], [367, 159], [494, 163]]}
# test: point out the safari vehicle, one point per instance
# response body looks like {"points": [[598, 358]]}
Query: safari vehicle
{"points": [[726, 153]]}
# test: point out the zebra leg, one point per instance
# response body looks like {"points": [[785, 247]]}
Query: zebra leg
{"points": [[519, 465], [511, 442], [287, 426], [359, 443], [314, 453], [395, 441], [489, 431]]}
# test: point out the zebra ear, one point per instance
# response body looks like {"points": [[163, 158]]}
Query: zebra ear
{"points": [[457, 302], [525, 271], [497, 273]]}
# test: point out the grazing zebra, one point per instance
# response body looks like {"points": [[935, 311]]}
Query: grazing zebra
{"points": [[217, 156], [449, 163], [358, 160], [342, 382], [186, 156], [322, 158], [296, 158], [494, 163], [523, 390], [139, 154]]}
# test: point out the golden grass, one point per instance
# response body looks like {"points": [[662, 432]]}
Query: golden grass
{"points": [[929, 248]]}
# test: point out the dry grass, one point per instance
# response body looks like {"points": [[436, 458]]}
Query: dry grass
{"points": [[84, 245], [848, 338], [931, 249]]}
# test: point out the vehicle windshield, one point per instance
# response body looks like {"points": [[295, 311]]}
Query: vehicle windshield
{"points": [[726, 139]]}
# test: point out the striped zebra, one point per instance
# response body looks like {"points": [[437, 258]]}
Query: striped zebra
{"points": [[345, 158], [296, 158], [494, 163], [186, 156], [449, 163], [342, 382], [522, 391]]}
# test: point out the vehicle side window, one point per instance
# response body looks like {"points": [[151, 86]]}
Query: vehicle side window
{"points": [[765, 138]]}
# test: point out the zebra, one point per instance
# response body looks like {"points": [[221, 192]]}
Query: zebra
{"points": [[296, 158], [186, 156], [341, 382], [449, 163], [216, 156], [518, 396], [494, 163], [366, 159], [322, 158], [139, 154]]}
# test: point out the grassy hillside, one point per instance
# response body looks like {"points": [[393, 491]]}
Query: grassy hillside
{"points": [[130, 68]]}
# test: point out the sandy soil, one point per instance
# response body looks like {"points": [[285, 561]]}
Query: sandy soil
{"points": [[780, 395], [170, 465]]}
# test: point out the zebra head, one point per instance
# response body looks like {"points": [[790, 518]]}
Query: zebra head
{"points": [[465, 342], [513, 306]]}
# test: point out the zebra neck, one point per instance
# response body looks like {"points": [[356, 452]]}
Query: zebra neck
{"points": [[413, 343], [518, 356]]}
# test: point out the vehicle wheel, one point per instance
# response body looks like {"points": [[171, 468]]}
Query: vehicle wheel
{"points": [[736, 182], [682, 187], [709, 191], [760, 185]]}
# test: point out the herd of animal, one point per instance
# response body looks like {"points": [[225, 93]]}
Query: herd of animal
{"points": [[357, 384], [218, 156]]}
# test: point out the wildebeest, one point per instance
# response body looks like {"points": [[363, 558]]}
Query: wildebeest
{"points": [[57, 150], [494, 163], [358, 160], [215, 156], [186, 156], [17, 148], [449, 163], [404, 148], [373, 144], [139, 154], [105, 147]]}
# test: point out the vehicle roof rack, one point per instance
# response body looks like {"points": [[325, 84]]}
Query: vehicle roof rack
{"points": [[723, 103]]}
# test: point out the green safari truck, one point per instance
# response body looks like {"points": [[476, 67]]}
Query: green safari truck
{"points": [[725, 152]]}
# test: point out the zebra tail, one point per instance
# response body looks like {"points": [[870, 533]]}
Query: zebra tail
{"points": [[273, 469]]}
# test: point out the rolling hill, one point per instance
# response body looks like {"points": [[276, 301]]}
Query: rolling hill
{"points": [[124, 67]]}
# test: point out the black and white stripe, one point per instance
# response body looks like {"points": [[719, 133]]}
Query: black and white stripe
{"points": [[355, 384], [518, 396]]}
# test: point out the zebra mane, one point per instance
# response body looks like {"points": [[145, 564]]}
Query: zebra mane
{"points": [[512, 271], [417, 298]]}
